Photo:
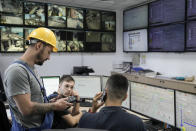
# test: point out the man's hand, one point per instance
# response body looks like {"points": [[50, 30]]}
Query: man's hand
{"points": [[96, 105], [62, 104]]}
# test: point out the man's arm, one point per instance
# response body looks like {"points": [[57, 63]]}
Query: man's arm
{"points": [[95, 104], [76, 107], [72, 120], [27, 107]]}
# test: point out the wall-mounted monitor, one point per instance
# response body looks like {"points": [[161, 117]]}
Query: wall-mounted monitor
{"points": [[191, 9], [11, 12], [50, 83], [93, 41], [34, 13], [135, 18], [61, 37], [108, 42], [108, 21], [167, 38], [166, 11], [191, 36], [75, 18], [135, 40], [185, 110], [12, 39], [27, 31], [75, 41], [93, 19], [56, 15], [87, 86], [154, 102]]}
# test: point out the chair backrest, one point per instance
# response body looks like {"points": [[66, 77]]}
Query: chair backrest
{"points": [[4, 122]]}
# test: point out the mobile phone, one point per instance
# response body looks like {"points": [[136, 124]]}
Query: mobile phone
{"points": [[104, 96]]}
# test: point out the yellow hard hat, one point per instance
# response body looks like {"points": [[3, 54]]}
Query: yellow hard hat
{"points": [[45, 35]]}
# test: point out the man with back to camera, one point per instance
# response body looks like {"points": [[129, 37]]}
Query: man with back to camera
{"points": [[67, 118], [28, 103], [112, 116]]}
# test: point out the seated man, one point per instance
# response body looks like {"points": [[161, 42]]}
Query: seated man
{"points": [[112, 116], [70, 117]]}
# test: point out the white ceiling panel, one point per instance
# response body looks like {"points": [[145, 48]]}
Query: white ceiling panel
{"points": [[97, 4]]}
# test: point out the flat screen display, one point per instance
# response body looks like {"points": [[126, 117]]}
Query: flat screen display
{"points": [[87, 86], [51, 84], [56, 15], [191, 9], [12, 39], [93, 41], [61, 40], [93, 19], [108, 42], [191, 36], [185, 110], [166, 11], [135, 18], [11, 12], [34, 13], [108, 21], [75, 18], [167, 38], [135, 40], [75, 41], [152, 101]]}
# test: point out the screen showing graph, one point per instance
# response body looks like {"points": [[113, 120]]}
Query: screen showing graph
{"points": [[135, 40], [191, 36], [154, 102], [51, 84], [135, 18], [87, 86], [186, 111], [166, 11], [167, 38]]}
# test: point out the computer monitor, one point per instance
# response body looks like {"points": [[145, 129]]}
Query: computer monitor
{"points": [[87, 86], [154, 102], [135, 40], [126, 103], [186, 110], [51, 84]]}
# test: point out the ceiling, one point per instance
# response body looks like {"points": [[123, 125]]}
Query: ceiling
{"points": [[111, 5]]}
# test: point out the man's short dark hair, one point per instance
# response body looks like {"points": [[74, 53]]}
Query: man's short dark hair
{"points": [[117, 86], [67, 78]]}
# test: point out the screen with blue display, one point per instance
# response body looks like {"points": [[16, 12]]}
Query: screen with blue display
{"points": [[166, 11], [167, 38], [191, 9]]}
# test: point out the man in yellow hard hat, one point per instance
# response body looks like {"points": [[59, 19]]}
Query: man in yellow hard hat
{"points": [[28, 103]]}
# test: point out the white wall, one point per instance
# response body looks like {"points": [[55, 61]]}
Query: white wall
{"points": [[171, 64], [62, 63]]}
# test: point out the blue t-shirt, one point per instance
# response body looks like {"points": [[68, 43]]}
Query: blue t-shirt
{"points": [[111, 118]]}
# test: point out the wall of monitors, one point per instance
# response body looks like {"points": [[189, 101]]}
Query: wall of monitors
{"points": [[76, 29], [170, 26]]}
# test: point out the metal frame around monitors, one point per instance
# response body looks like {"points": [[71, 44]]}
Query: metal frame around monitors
{"points": [[84, 29]]}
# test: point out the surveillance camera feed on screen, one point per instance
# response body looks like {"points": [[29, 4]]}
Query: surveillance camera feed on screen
{"points": [[34, 14], [61, 40], [75, 41], [12, 39], [93, 19], [108, 42], [11, 12], [93, 41], [56, 16], [27, 31], [75, 18], [108, 21]]}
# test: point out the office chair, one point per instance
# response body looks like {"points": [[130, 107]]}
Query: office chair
{"points": [[4, 122]]}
